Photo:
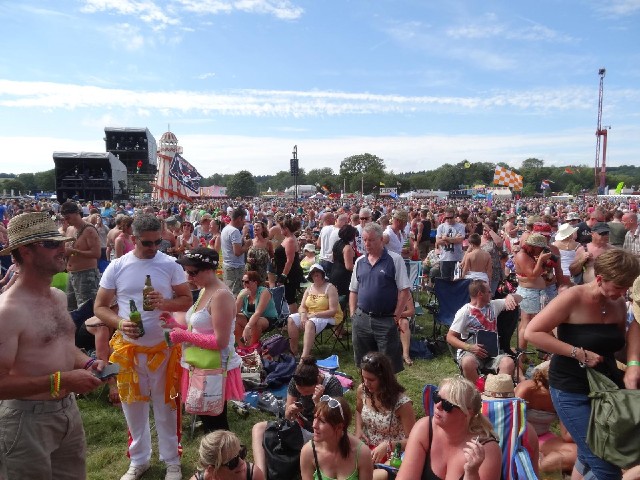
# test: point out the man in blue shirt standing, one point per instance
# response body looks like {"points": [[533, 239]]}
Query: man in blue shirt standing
{"points": [[379, 292]]}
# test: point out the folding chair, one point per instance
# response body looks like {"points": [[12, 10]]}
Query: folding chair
{"points": [[451, 296], [277, 293], [427, 399], [339, 333], [508, 417], [414, 271]]}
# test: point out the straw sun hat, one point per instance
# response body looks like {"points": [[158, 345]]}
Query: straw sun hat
{"points": [[498, 386], [32, 227]]}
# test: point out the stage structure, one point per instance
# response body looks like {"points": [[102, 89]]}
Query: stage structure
{"points": [[176, 178], [131, 146], [89, 176]]}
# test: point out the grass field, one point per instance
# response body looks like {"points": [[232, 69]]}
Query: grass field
{"points": [[106, 429]]}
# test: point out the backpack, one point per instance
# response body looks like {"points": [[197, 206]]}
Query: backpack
{"points": [[281, 372], [274, 346], [282, 445]]}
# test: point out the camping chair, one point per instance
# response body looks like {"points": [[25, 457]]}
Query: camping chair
{"points": [[451, 295], [339, 333], [508, 417], [414, 271], [277, 293]]}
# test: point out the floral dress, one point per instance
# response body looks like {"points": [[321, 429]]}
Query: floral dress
{"points": [[257, 259], [381, 426]]}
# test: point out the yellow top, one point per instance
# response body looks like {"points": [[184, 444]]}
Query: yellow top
{"points": [[320, 303]]}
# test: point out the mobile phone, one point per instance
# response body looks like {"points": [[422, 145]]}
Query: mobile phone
{"points": [[109, 371], [298, 404]]}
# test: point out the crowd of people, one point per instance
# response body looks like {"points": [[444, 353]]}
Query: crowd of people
{"points": [[562, 269]]}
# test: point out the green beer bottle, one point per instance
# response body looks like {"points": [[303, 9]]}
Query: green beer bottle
{"points": [[135, 317], [396, 459]]}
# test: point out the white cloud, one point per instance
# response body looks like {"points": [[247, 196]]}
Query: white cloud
{"points": [[282, 9], [125, 36], [145, 10], [205, 76], [284, 103], [620, 7]]}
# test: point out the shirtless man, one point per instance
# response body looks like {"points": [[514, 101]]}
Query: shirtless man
{"points": [[111, 238], [586, 256], [41, 370], [82, 257], [476, 263]]}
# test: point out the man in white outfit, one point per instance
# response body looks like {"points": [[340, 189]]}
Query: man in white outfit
{"points": [[148, 367]]}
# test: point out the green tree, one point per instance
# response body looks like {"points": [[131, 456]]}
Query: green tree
{"points": [[15, 185], [532, 163], [29, 181], [358, 165], [242, 184], [45, 181]]}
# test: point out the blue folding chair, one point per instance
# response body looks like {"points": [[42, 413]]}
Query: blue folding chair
{"points": [[277, 293], [451, 295]]}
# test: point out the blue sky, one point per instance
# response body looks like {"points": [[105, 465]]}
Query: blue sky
{"points": [[417, 82]]}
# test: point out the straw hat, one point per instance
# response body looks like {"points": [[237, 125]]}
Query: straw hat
{"points": [[401, 214], [29, 228], [498, 386], [537, 240], [565, 231]]}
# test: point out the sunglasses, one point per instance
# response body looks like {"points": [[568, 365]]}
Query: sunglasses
{"points": [[192, 273], [448, 218], [50, 244], [447, 406], [333, 403], [233, 463], [365, 218], [149, 243]]}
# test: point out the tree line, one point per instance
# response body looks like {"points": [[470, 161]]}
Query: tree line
{"points": [[368, 172]]}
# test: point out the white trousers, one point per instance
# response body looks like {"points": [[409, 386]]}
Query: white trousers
{"points": [[166, 418]]}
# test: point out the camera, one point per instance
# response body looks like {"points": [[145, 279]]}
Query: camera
{"points": [[553, 258]]}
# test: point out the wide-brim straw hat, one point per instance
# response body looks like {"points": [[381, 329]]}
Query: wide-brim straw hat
{"points": [[31, 227], [565, 231], [537, 240], [498, 386]]}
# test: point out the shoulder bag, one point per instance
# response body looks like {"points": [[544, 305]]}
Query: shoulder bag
{"points": [[614, 425]]}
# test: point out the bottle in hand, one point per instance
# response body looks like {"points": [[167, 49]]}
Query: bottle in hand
{"points": [[146, 301], [135, 317]]}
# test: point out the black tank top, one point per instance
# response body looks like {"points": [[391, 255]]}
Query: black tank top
{"points": [[427, 473], [566, 374]]}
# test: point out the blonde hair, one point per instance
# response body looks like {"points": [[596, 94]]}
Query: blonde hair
{"points": [[217, 448], [465, 395]]}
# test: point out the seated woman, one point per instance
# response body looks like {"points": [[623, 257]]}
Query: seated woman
{"points": [[555, 451], [457, 442], [309, 257], [256, 310], [384, 414], [304, 392], [221, 457], [319, 307], [332, 452]]}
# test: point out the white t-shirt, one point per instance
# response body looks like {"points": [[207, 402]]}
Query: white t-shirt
{"points": [[326, 245], [127, 274], [466, 323], [395, 244]]}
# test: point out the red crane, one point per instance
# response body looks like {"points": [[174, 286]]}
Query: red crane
{"points": [[600, 178]]}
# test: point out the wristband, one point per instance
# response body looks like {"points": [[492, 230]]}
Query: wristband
{"points": [[120, 324], [89, 363], [55, 381], [633, 363]]}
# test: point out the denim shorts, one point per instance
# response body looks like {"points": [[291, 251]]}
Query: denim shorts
{"points": [[531, 299]]}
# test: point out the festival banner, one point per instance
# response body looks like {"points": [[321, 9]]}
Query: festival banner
{"points": [[505, 177], [185, 173]]}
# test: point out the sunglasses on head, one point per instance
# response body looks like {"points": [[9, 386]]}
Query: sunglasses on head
{"points": [[233, 463], [370, 360], [333, 403], [447, 406], [192, 273], [149, 243], [50, 244]]}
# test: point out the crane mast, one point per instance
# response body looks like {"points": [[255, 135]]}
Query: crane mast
{"points": [[600, 177]]}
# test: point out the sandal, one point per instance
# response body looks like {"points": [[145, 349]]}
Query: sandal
{"points": [[407, 361]]}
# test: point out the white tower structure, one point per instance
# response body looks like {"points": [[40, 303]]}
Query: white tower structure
{"points": [[167, 188]]}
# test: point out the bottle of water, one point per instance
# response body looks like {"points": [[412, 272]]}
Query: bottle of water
{"points": [[529, 373]]}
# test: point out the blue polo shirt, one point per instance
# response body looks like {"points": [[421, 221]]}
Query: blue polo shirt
{"points": [[377, 285]]}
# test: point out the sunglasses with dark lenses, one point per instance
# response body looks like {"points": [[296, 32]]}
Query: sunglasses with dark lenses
{"points": [[192, 273], [447, 406], [333, 403], [149, 243], [50, 244], [233, 463]]}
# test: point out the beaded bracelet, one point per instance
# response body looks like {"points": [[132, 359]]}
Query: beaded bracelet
{"points": [[89, 363], [56, 381]]}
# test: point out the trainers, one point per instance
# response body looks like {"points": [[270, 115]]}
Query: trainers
{"points": [[174, 472], [135, 472]]}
